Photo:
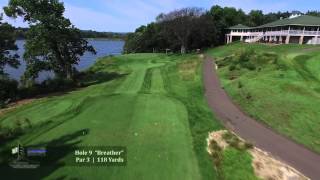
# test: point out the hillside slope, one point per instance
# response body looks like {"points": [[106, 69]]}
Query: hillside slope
{"points": [[278, 85]]}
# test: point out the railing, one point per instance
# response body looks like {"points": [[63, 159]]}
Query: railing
{"points": [[278, 33], [246, 33], [301, 32], [255, 39]]}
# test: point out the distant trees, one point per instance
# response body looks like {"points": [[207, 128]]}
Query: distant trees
{"points": [[22, 34], [313, 13], [192, 28], [53, 43], [8, 87], [223, 18], [147, 39], [255, 18], [181, 23], [7, 44], [180, 30], [107, 35]]}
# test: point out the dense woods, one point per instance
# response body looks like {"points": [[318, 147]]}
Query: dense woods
{"points": [[189, 29]]}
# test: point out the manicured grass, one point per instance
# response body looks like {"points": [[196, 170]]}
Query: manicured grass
{"points": [[285, 96], [152, 109]]}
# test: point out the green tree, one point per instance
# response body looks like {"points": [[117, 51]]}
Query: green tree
{"points": [[8, 87], [53, 43], [255, 18], [224, 18], [150, 38], [313, 13], [181, 24], [205, 33], [232, 16], [7, 45]]}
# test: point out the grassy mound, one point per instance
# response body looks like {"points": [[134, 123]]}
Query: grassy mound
{"points": [[282, 90]]}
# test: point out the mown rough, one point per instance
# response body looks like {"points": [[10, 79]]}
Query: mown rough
{"points": [[282, 91]]}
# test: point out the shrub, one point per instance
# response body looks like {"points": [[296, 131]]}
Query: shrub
{"points": [[47, 86], [226, 136], [28, 122], [248, 145], [245, 55], [249, 97], [8, 90], [232, 67], [17, 127], [240, 85], [249, 65], [5, 133]]}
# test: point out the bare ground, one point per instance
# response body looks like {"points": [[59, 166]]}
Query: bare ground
{"points": [[265, 166]]}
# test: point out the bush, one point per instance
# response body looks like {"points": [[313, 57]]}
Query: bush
{"points": [[47, 86], [249, 65], [232, 67], [5, 133], [27, 122], [245, 55], [248, 145], [8, 91]]}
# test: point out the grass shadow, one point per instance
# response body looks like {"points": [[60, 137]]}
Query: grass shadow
{"points": [[89, 78], [57, 150]]}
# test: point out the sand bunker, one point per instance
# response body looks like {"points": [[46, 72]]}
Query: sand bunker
{"points": [[265, 166]]}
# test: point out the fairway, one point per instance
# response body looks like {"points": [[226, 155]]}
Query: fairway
{"points": [[138, 111]]}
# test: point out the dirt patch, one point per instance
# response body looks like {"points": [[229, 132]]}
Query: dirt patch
{"points": [[268, 167], [265, 166]]}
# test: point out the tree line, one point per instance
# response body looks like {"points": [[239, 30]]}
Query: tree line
{"points": [[21, 33], [194, 28]]}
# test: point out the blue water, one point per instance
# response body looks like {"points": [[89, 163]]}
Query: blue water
{"points": [[102, 46]]}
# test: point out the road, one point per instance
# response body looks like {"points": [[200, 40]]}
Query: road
{"points": [[297, 156]]}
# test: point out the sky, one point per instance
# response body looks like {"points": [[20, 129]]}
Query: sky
{"points": [[127, 15]]}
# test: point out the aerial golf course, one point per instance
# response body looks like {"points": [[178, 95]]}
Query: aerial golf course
{"points": [[154, 105]]}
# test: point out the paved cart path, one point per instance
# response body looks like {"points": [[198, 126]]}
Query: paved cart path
{"points": [[299, 157]]}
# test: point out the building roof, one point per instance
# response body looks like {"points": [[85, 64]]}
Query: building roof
{"points": [[304, 20], [239, 26], [300, 21]]}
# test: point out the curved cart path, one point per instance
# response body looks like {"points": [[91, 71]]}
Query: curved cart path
{"points": [[299, 157]]}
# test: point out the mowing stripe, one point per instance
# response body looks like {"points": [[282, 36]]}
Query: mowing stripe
{"points": [[133, 83], [157, 85]]}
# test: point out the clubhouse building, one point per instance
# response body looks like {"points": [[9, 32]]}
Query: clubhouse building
{"points": [[298, 29]]}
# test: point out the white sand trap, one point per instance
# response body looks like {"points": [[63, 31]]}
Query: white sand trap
{"points": [[265, 166]]}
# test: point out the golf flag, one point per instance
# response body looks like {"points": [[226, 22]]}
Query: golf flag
{"points": [[15, 150]]}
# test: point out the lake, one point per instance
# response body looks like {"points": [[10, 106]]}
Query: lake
{"points": [[103, 47]]}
